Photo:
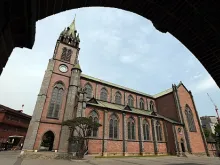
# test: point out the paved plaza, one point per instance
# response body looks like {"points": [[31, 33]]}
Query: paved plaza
{"points": [[10, 158]]}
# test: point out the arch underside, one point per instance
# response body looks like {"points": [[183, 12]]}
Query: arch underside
{"points": [[193, 23]]}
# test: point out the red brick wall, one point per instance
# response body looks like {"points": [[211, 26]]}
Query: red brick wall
{"points": [[170, 140], [212, 149], [149, 147], [43, 128], [162, 148], [133, 147], [196, 141], [167, 107], [95, 146], [2, 115], [115, 146]]}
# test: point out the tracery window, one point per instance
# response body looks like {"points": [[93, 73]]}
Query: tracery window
{"points": [[158, 131], [103, 94], [56, 101], [88, 90], [118, 98], [141, 103], [146, 130], [131, 129], [151, 105], [95, 118], [130, 101], [66, 54], [190, 119], [113, 127]]}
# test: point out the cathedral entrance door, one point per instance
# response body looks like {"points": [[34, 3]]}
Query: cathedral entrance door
{"points": [[47, 141]]}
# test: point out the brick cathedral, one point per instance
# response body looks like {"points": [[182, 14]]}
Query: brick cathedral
{"points": [[133, 122]]}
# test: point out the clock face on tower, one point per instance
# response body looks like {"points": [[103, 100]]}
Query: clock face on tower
{"points": [[63, 68]]}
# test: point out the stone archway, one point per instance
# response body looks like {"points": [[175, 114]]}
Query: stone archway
{"points": [[47, 141], [191, 22]]}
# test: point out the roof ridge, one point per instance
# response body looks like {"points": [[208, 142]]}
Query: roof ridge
{"points": [[116, 85]]}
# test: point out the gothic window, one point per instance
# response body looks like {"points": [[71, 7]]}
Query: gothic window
{"points": [[104, 94], [151, 105], [146, 130], [56, 101], [88, 90], [113, 127], [66, 54], [190, 120], [131, 129], [158, 131], [94, 116], [141, 103], [130, 101], [118, 98]]}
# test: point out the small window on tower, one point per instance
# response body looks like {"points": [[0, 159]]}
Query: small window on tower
{"points": [[66, 54]]}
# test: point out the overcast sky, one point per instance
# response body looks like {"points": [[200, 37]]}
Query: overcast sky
{"points": [[116, 46]]}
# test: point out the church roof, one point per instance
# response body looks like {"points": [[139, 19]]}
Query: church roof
{"points": [[122, 108], [163, 93], [115, 85]]}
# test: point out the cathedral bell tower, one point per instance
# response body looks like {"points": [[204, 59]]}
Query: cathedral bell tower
{"points": [[58, 94]]}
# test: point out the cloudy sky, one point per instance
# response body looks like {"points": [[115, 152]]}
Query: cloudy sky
{"points": [[116, 46]]}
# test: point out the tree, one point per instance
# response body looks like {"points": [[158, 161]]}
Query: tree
{"points": [[216, 135], [207, 133], [80, 130]]}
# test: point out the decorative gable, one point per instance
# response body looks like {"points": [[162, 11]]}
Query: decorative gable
{"points": [[93, 100], [127, 107], [154, 113]]}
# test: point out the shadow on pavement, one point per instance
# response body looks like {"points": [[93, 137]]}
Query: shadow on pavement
{"points": [[18, 161]]}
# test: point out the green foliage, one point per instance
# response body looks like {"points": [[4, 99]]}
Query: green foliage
{"points": [[207, 133], [80, 130], [217, 133]]}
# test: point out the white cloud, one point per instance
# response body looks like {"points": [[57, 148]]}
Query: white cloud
{"points": [[205, 84]]}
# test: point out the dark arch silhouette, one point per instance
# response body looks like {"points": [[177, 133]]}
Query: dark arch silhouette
{"points": [[47, 141], [191, 22]]}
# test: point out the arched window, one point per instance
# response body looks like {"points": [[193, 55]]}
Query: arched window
{"points": [[131, 129], [190, 119], [66, 54], [141, 103], [113, 127], [56, 101], [158, 131], [95, 118], [103, 94], [151, 105], [130, 101], [146, 130], [118, 98], [88, 90]]}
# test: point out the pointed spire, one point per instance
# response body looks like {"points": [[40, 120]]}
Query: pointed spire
{"points": [[72, 28]]}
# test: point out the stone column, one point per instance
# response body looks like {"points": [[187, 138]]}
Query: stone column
{"points": [[140, 135], [35, 120], [166, 136], [182, 119], [124, 134], [176, 141], [105, 133], [80, 105], [154, 134], [200, 127]]}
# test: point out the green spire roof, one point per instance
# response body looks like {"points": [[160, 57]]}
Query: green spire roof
{"points": [[77, 66], [72, 28]]}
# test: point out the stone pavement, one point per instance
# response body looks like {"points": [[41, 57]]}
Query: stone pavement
{"points": [[10, 158]]}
